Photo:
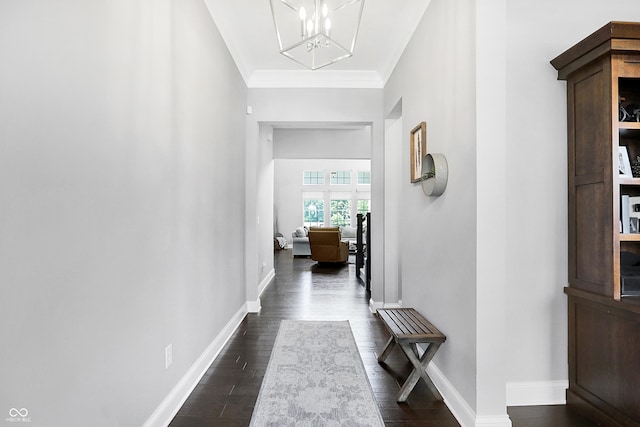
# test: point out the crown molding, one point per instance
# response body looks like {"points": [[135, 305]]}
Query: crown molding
{"points": [[315, 79]]}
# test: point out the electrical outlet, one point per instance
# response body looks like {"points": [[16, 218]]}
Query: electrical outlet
{"points": [[168, 356]]}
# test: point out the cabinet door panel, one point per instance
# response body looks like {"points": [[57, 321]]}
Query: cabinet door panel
{"points": [[591, 208], [593, 256], [606, 366], [591, 126]]}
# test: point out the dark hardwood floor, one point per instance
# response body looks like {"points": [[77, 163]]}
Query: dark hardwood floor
{"points": [[304, 290]]}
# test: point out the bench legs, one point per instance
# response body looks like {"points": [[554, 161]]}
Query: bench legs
{"points": [[419, 367], [387, 349], [410, 329], [419, 370]]}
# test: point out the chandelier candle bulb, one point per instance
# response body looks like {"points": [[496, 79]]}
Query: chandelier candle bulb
{"points": [[317, 14], [303, 18]]}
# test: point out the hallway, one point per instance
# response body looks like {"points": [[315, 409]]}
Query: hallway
{"points": [[304, 290]]}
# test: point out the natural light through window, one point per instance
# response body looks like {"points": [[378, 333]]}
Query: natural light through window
{"points": [[363, 206], [313, 178], [340, 177], [333, 197], [340, 212], [364, 178], [313, 211]]}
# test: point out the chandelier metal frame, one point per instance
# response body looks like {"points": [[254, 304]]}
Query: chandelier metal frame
{"points": [[320, 34]]}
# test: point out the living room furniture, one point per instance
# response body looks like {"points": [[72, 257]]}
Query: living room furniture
{"points": [[300, 242], [326, 245], [363, 249], [350, 235], [279, 242], [408, 328], [603, 79]]}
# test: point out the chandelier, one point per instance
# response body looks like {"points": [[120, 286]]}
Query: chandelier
{"points": [[316, 33]]}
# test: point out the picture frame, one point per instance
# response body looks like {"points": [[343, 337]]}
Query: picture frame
{"points": [[624, 166], [418, 150]]}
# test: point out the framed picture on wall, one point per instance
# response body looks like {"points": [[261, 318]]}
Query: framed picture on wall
{"points": [[418, 150]]}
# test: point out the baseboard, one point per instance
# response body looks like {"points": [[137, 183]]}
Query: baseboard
{"points": [[393, 305], [537, 393], [266, 282], [459, 407], [171, 404], [374, 306], [253, 306], [493, 421], [454, 401]]}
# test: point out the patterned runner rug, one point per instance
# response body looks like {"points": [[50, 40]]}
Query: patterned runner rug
{"points": [[315, 377]]}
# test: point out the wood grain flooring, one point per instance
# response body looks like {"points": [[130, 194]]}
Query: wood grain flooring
{"points": [[304, 290]]}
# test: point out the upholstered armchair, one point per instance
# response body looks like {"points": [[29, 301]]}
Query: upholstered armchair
{"points": [[326, 245]]}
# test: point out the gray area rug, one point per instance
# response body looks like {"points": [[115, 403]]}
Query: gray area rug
{"points": [[315, 377]]}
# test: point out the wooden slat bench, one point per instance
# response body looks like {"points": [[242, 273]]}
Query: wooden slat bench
{"points": [[409, 328]]}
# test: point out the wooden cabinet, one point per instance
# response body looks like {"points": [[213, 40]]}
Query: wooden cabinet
{"points": [[603, 75]]}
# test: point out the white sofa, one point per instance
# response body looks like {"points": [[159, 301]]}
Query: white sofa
{"points": [[349, 234], [300, 242]]}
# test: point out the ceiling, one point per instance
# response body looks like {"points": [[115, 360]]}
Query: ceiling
{"points": [[248, 30]]}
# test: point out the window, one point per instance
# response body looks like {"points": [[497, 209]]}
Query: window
{"points": [[313, 178], [313, 212], [340, 212], [364, 178], [340, 177], [333, 196], [363, 206]]}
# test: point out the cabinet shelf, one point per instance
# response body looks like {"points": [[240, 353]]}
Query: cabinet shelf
{"points": [[629, 125], [630, 237], [629, 181]]}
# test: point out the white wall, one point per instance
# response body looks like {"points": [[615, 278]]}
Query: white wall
{"points": [[537, 179], [289, 189], [119, 120], [394, 229], [491, 202], [435, 80], [322, 143], [265, 217]]}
